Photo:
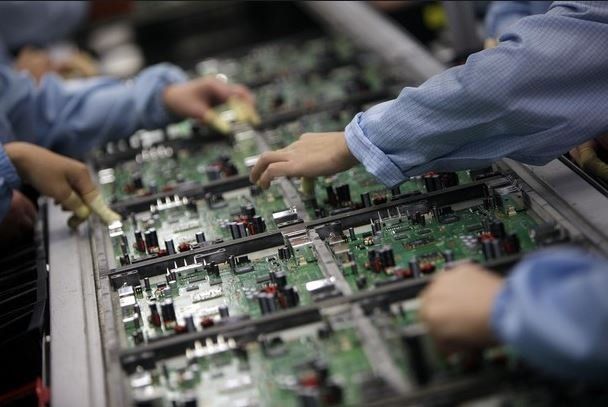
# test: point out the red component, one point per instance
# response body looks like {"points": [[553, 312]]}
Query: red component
{"points": [[309, 379], [180, 329], [168, 188], [140, 246], [162, 252], [427, 268], [270, 289], [155, 319], [184, 247], [377, 265], [207, 322], [378, 199], [485, 236], [403, 273]]}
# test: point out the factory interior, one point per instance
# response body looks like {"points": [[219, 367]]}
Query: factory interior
{"points": [[303, 203]]}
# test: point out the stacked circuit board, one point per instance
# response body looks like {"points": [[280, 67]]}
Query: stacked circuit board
{"points": [[220, 293]]}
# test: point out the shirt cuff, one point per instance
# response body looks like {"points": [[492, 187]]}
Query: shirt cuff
{"points": [[374, 160]]}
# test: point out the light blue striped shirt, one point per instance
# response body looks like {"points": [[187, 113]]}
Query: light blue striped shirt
{"points": [[542, 91]]}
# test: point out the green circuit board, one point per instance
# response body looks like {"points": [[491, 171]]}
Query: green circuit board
{"points": [[458, 233], [286, 369], [197, 293]]}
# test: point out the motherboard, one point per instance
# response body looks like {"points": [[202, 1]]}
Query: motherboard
{"points": [[220, 293]]}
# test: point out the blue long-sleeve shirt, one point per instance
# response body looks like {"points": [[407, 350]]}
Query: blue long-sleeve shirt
{"points": [[540, 92], [553, 311], [502, 14], [72, 120], [37, 23], [532, 98]]}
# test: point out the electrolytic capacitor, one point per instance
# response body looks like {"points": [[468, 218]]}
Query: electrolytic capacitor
{"points": [[170, 246], [200, 237], [291, 296], [366, 200], [232, 262], [429, 183], [280, 279], [140, 244], [242, 229], [284, 253], [190, 326], [361, 282], [511, 244], [147, 284], [496, 248], [234, 230], [437, 183], [213, 172], [154, 315], [412, 340], [259, 226], [414, 267], [167, 311], [151, 239], [267, 303], [497, 228], [248, 211], [332, 199], [223, 310], [343, 192], [448, 256], [487, 249], [387, 257], [395, 191]]}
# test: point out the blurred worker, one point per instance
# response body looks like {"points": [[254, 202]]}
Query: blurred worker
{"points": [[539, 93], [28, 27], [72, 121]]}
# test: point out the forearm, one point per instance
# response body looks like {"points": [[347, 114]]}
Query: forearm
{"points": [[71, 121], [532, 98], [553, 311]]}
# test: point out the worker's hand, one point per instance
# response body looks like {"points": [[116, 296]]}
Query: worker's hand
{"points": [[586, 157], [195, 99], [66, 180], [36, 62], [76, 65], [456, 307], [19, 220], [313, 155]]}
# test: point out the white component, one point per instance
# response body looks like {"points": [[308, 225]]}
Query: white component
{"points": [[205, 296]]}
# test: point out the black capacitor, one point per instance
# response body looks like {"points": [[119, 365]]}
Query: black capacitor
{"points": [[280, 279], [151, 238], [273, 276], [170, 246], [396, 191], [351, 234], [138, 337], [366, 200], [332, 199], [213, 172], [414, 267], [387, 257], [234, 230], [167, 311], [232, 262], [190, 326], [213, 270], [448, 179], [154, 316], [291, 296], [436, 180], [224, 313], [511, 244], [259, 226], [448, 256], [138, 182], [371, 255], [139, 240], [242, 229], [284, 253], [320, 213], [496, 248], [248, 211], [497, 228], [267, 303], [412, 341], [147, 284], [419, 219], [200, 237], [343, 192], [487, 250], [429, 183], [361, 282]]}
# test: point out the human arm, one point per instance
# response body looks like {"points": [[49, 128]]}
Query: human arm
{"points": [[552, 310], [72, 120]]}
